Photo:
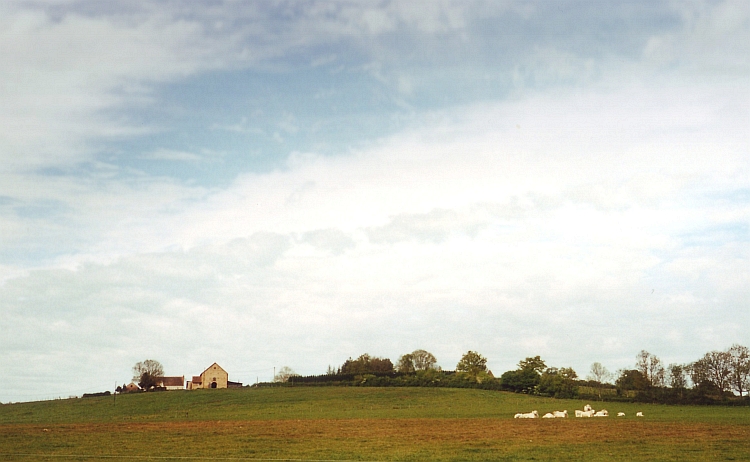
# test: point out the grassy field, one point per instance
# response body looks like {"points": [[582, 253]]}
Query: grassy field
{"points": [[330, 423]]}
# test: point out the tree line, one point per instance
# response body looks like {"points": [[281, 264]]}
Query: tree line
{"points": [[713, 378]]}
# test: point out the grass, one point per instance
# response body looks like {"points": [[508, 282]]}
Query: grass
{"points": [[332, 423]]}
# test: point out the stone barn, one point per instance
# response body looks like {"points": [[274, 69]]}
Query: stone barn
{"points": [[213, 377]]}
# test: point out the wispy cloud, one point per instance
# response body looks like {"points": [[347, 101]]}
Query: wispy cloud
{"points": [[488, 175]]}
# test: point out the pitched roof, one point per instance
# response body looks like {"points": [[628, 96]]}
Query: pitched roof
{"points": [[197, 379], [211, 367], [172, 381]]}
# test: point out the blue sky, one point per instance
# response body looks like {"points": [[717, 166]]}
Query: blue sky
{"points": [[267, 184]]}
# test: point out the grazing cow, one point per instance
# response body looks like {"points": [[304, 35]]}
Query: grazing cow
{"points": [[548, 416], [528, 415], [639, 414], [560, 414], [620, 414], [602, 413]]}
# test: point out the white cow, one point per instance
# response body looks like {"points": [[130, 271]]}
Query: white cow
{"points": [[639, 414], [587, 408], [620, 414], [584, 413], [602, 413], [548, 415], [528, 415], [560, 414]]}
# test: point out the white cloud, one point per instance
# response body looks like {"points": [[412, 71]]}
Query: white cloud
{"points": [[617, 209], [463, 233]]}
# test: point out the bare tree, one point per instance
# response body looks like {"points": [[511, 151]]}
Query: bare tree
{"points": [[405, 363], [677, 376], [651, 368], [423, 360], [284, 374], [599, 374], [717, 367], [739, 360], [146, 373]]}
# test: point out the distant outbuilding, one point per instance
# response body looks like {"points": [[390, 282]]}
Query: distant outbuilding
{"points": [[171, 383]]}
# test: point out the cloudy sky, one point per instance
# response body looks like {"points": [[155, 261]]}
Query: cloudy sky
{"points": [[291, 183]]}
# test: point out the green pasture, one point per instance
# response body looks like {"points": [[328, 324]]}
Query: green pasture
{"points": [[351, 423]]}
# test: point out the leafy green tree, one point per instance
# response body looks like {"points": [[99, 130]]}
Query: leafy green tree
{"points": [[535, 364], [473, 363], [520, 381], [631, 379], [526, 378], [147, 373], [560, 383], [366, 364]]}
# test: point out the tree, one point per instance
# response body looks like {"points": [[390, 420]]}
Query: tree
{"points": [[406, 363], [423, 360], [651, 368], [520, 381], [473, 363], [559, 383], [535, 364], [284, 374], [631, 379], [146, 373], [739, 359], [677, 376], [717, 366], [366, 364], [600, 375]]}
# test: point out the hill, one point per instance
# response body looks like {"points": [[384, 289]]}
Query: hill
{"points": [[335, 423]]}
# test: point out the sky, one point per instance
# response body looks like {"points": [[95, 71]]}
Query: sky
{"points": [[293, 183]]}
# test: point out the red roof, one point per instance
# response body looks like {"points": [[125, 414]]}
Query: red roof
{"points": [[197, 379]]}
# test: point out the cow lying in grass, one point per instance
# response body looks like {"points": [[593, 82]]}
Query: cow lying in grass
{"points": [[528, 415]]}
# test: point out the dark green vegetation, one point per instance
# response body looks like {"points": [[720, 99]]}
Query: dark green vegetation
{"points": [[710, 380], [355, 423]]}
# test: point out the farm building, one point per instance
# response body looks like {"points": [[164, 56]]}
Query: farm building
{"points": [[171, 383], [131, 387], [213, 377]]}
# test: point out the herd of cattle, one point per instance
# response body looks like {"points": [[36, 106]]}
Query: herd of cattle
{"points": [[587, 411]]}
